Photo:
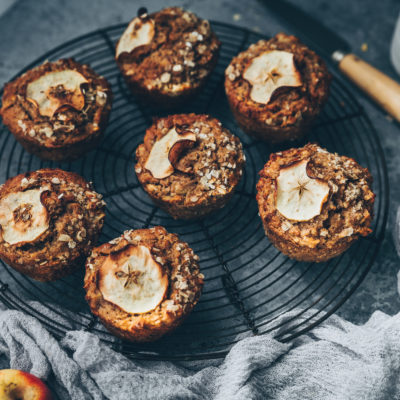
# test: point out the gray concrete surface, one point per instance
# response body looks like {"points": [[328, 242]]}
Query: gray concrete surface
{"points": [[30, 28]]}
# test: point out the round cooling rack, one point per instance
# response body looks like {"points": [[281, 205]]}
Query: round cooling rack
{"points": [[248, 283]]}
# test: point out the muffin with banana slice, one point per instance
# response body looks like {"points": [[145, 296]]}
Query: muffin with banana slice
{"points": [[189, 164], [166, 57], [143, 284], [49, 221], [314, 204], [58, 110], [276, 88]]}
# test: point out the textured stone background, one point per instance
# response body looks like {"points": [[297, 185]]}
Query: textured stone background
{"points": [[30, 28]]}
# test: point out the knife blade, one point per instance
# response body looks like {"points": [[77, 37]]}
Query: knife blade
{"points": [[379, 87]]}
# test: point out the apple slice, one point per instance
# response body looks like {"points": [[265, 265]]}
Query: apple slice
{"points": [[16, 384], [166, 151], [139, 32], [23, 218], [54, 90], [299, 197], [270, 71], [133, 280]]}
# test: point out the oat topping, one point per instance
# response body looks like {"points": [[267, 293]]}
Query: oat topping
{"points": [[165, 77], [22, 125]]}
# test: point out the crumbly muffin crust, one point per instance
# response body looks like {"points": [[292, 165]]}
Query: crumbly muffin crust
{"points": [[75, 218], [213, 167], [346, 215], [184, 285], [176, 63], [291, 109], [67, 134]]}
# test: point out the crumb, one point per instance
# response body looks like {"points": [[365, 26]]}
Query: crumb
{"points": [[237, 17]]}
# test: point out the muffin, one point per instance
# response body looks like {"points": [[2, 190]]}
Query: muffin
{"points": [[143, 284], [58, 110], [49, 221], [276, 88], [314, 204], [189, 164], [166, 57]]}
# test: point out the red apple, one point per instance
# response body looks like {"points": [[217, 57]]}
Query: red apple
{"points": [[20, 385]]}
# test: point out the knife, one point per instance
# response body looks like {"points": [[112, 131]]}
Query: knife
{"points": [[380, 87]]}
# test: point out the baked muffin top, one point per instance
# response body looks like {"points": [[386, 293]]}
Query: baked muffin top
{"points": [[145, 278], [278, 81], [48, 217], [202, 159], [170, 50], [315, 198], [57, 103]]}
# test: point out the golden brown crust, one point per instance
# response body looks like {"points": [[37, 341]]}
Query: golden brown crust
{"points": [[214, 167], [346, 215], [175, 65], [76, 215], [185, 283], [69, 133], [291, 110]]}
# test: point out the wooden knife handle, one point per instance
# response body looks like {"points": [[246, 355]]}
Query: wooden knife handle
{"points": [[382, 89]]}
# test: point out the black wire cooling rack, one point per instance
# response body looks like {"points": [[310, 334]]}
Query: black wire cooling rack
{"points": [[248, 283]]}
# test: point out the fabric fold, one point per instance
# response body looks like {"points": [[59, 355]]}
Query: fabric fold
{"points": [[337, 360]]}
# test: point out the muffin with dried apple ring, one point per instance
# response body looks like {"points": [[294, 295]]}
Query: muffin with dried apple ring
{"points": [[276, 88], [49, 221], [166, 57], [58, 110], [189, 164], [314, 204], [143, 284]]}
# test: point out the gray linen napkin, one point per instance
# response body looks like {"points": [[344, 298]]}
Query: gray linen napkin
{"points": [[337, 360]]}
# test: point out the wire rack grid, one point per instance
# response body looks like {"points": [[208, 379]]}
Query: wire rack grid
{"points": [[249, 284]]}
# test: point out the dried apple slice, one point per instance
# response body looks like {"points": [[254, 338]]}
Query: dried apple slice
{"points": [[133, 280], [270, 71], [139, 32], [23, 218], [299, 197], [54, 90], [166, 151]]}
